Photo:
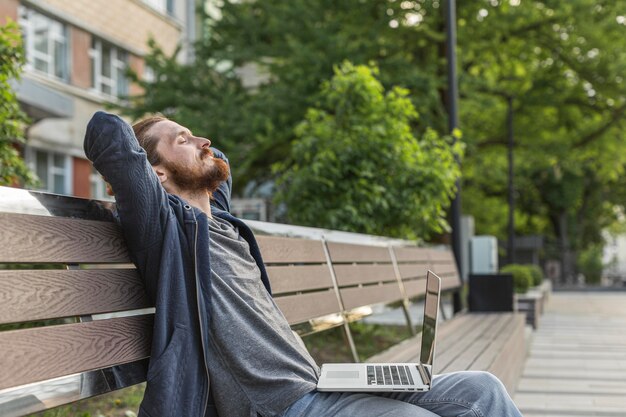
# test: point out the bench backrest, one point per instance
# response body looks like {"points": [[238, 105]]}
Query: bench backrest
{"points": [[64, 265], [75, 321]]}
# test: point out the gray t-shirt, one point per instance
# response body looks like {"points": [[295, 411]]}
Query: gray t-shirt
{"points": [[256, 364]]}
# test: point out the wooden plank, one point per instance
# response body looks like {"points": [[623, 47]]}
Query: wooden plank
{"points": [[513, 323], [441, 256], [488, 338], [353, 274], [413, 270], [449, 282], [26, 238], [415, 287], [27, 295], [460, 341], [346, 252], [299, 278], [444, 269], [303, 307], [42, 353], [411, 254], [371, 294], [409, 349], [291, 250]]}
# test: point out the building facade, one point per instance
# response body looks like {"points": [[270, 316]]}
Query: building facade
{"points": [[77, 54]]}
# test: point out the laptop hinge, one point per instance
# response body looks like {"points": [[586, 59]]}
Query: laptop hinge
{"points": [[424, 373]]}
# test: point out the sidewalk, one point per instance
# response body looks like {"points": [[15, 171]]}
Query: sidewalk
{"points": [[577, 361]]}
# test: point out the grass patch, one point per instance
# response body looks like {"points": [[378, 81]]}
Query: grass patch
{"points": [[370, 339], [122, 403]]}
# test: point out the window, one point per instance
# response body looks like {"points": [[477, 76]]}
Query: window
{"points": [[163, 6], [46, 43], [108, 68], [98, 186], [53, 169]]}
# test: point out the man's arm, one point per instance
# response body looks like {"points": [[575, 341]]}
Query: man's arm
{"points": [[141, 200], [221, 196]]}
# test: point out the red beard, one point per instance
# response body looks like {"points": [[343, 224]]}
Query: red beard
{"points": [[197, 178]]}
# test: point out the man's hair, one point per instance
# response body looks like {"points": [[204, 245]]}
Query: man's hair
{"points": [[149, 142]]}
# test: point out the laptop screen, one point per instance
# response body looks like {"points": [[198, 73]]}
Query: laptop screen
{"points": [[431, 311]]}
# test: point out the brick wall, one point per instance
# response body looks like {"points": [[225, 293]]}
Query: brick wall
{"points": [[81, 63], [8, 9], [81, 183], [127, 22]]}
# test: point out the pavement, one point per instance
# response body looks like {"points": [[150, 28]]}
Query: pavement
{"points": [[576, 365]]}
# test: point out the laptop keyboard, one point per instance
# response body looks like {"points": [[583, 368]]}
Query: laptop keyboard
{"points": [[389, 375]]}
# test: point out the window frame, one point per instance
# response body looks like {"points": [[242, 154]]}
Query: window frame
{"points": [[30, 155], [120, 61], [57, 33]]}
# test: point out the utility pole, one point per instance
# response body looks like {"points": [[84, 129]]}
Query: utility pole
{"points": [[511, 237], [453, 123]]}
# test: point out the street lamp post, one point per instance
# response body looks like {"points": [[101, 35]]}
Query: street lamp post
{"points": [[453, 123], [511, 189]]}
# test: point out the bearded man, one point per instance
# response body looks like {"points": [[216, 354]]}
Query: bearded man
{"points": [[220, 344]]}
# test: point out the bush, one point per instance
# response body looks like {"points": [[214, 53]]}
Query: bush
{"points": [[537, 274], [589, 264], [522, 277]]}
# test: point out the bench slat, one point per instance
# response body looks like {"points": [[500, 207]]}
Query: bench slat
{"points": [[444, 269], [363, 274], [414, 288], [476, 349], [27, 295], [303, 307], [299, 278], [42, 353], [372, 294], [413, 270], [59, 240], [347, 252], [408, 254], [458, 341], [449, 282], [440, 256], [291, 250]]}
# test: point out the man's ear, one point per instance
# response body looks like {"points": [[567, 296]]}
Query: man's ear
{"points": [[161, 173]]}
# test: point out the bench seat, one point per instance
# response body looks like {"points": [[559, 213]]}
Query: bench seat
{"points": [[493, 342]]}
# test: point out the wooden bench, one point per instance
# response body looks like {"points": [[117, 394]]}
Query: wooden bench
{"points": [[533, 302], [75, 322]]}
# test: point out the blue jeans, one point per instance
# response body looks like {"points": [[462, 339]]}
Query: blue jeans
{"points": [[459, 394]]}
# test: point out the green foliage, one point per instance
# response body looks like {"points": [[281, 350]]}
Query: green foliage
{"points": [[356, 164], [537, 274], [562, 63], [121, 403], [590, 264], [522, 276], [13, 121], [294, 46]]}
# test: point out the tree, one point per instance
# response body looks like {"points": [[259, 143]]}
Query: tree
{"points": [[13, 121], [296, 44], [562, 64], [357, 166]]}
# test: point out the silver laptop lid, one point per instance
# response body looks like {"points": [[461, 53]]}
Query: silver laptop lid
{"points": [[431, 313]]}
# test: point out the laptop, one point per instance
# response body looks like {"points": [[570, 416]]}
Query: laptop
{"points": [[381, 377]]}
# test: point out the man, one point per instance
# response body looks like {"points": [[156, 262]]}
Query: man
{"points": [[220, 345]]}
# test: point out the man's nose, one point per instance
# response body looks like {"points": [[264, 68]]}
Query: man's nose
{"points": [[204, 142]]}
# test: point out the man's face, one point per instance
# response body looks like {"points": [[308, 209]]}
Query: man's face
{"points": [[187, 159]]}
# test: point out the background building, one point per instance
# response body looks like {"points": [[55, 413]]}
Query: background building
{"points": [[77, 55]]}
